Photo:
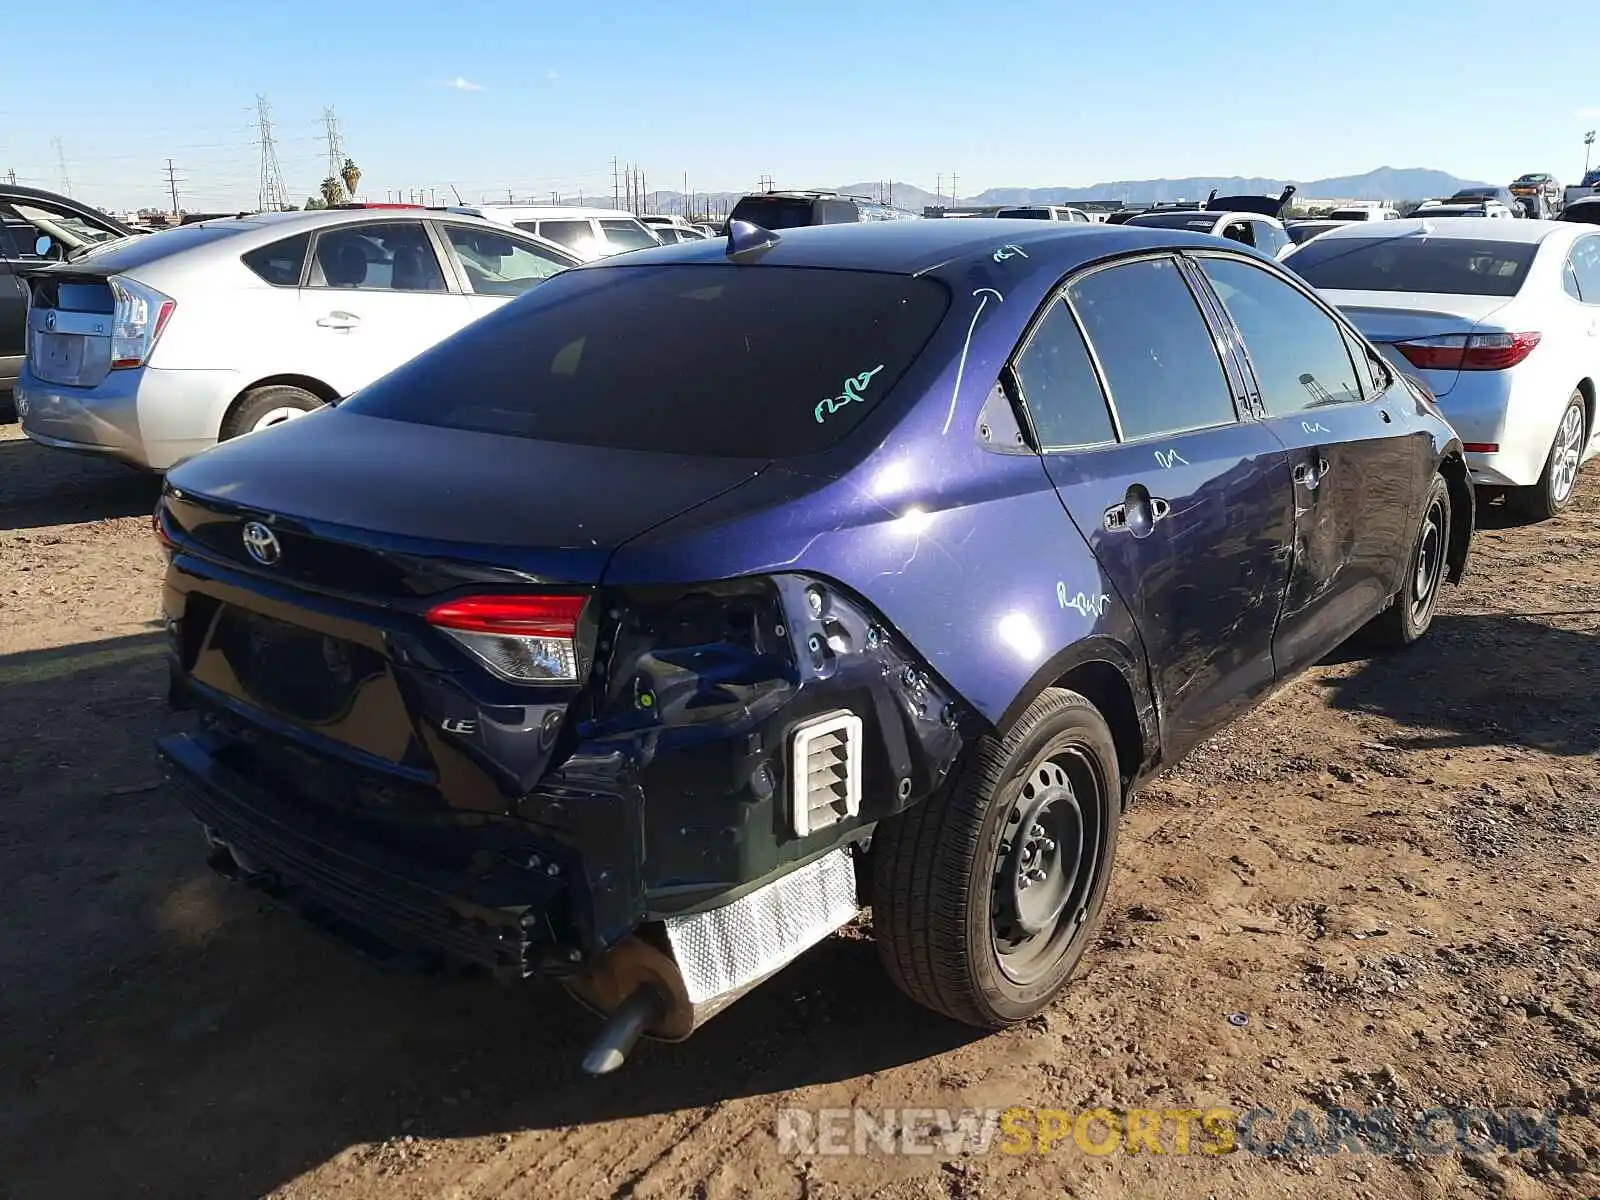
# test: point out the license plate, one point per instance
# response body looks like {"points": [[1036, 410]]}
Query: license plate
{"points": [[59, 354]]}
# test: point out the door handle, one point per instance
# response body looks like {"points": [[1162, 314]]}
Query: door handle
{"points": [[339, 320], [1310, 474], [1138, 514]]}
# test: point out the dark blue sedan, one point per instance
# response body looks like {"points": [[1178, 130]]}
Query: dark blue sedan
{"points": [[647, 630]]}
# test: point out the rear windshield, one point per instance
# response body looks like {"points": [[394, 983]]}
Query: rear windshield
{"points": [[773, 212], [705, 359], [1453, 266]]}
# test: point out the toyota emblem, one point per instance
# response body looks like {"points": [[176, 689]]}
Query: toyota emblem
{"points": [[262, 543], [49, 318]]}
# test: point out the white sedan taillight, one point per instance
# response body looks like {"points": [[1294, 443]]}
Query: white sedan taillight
{"points": [[526, 639], [140, 314]]}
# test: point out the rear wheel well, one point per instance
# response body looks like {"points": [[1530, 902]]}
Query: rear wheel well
{"points": [[1103, 685], [304, 382], [1463, 504]]}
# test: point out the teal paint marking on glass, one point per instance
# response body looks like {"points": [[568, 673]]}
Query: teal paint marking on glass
{"points": [[853, 388]]}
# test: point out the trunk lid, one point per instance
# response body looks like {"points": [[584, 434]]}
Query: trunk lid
{"points": [[328, 646], [69, 328], [350, 522], [1387, 318]]}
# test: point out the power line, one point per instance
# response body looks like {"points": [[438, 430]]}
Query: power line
{"points": [[172, 186], [270, 193]]}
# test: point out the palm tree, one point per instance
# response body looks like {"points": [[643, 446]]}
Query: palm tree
{"points": [[351, 175], [332, 191]]}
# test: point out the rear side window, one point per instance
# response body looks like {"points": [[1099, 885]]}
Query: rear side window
{"points": [[628, 235], [1387, 263], [280, 264], [1059, 386], [1299, 352], [390, 257], [1586, 266], [1155, 348], [702, 359], [575, 235]]}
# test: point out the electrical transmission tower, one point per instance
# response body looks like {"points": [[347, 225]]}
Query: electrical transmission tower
{"points": [[172, 185], [270, 194], [335, 143], [61, 161]]}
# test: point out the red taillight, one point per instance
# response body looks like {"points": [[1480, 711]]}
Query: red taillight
{"points": [[1464, 352], [1497, 351], [1481, 447], [526, 639]]}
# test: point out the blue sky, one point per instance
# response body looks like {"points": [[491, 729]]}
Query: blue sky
{"points": [[540, 97]]}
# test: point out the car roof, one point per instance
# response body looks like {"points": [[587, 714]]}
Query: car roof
{"points": [[916, 247], [542, 212], [1474, 228]]}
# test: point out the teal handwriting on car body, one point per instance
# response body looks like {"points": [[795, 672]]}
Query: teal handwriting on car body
{"points": [[852, 391]]}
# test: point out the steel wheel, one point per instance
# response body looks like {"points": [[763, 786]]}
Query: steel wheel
{"points": [[1431, 548], [1044, 864]]}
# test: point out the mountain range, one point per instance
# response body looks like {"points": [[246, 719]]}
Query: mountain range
{"points": [[1385, 183]]}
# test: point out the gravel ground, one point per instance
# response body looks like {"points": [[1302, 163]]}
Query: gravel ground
{"points": [[1388, 869]]}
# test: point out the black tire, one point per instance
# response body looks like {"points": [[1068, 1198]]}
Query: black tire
{"points": [[1410, 613], [260, 404], [939, 915], [1559, 478]]}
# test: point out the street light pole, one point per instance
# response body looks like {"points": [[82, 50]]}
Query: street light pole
{"points": [[1588, 144]]}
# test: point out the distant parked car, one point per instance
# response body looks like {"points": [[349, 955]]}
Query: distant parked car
{"points": [[590, 233], [1266, 234], [1303, 231], [671, 235], [1499, 320], [1491, 209], [1539, 192], [1501, 196], [1044, 212], [26, 215], [790, 210], [644, 632], [1582, 212], [1589, 186], [1363, 212], [152, 349]]}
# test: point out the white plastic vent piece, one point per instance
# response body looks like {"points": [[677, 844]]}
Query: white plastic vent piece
{"points": [[825, 779]]}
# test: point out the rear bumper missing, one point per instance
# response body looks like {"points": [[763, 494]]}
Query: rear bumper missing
{"points": [[499, 917]]}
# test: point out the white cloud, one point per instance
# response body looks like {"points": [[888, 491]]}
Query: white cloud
{"points": [[464, 85], [1587, 114], [551, 76]]}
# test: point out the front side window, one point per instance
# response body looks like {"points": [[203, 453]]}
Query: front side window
{"points": [[1059, 386], [1269, 238], [1155, 348], [280, 263], [699, 359], [1299, 352], [497, 264], [393, 256]]}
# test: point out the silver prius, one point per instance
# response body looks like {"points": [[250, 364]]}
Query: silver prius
{"points": [[156, 348]]}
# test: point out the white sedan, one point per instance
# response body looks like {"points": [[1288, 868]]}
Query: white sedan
{"points": [[1501, 319], [1265, 233]]}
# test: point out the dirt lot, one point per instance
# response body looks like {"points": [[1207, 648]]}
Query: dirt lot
{"points": [[1390, 869]]}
